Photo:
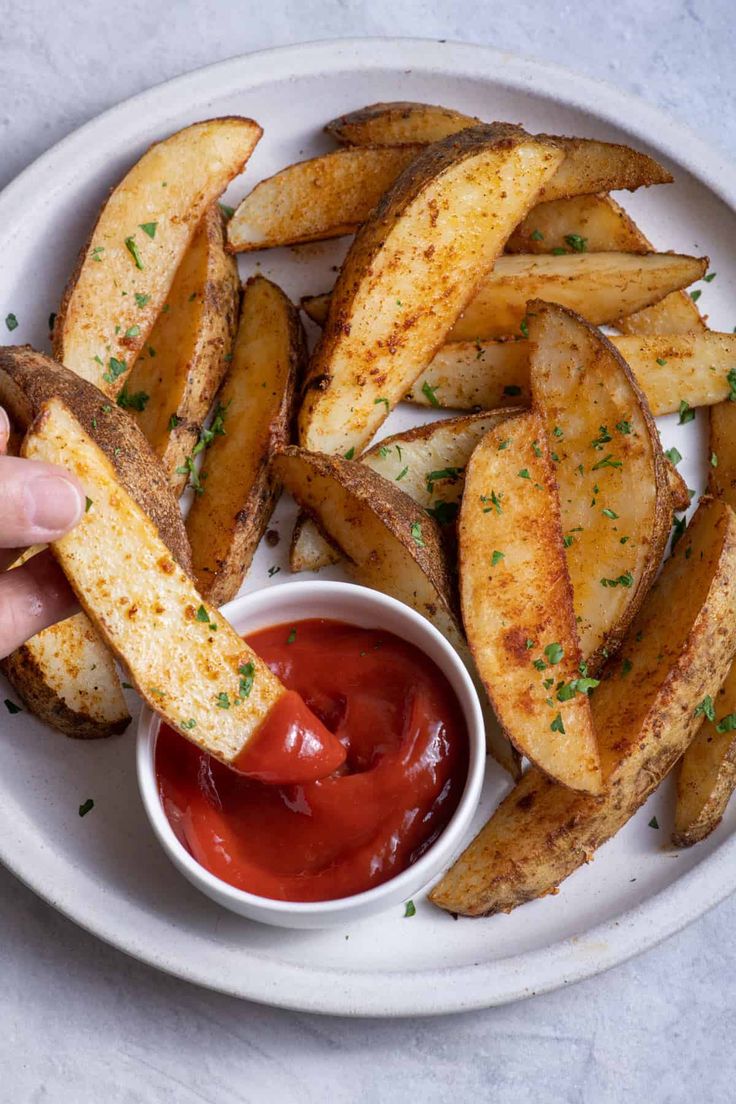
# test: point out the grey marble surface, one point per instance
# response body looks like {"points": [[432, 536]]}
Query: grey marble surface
{"points": [[80, 1022]]}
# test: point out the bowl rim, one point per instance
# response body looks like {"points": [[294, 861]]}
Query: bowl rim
{"points": [[427, 869]]}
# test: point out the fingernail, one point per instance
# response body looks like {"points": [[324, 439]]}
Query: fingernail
{"points": [[54, 503], [4, 425]]}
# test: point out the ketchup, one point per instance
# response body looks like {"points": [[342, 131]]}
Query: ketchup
{"points": [[406, 744]]}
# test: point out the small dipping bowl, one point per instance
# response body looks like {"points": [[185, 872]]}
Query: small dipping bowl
{"points": [[365, 608]]}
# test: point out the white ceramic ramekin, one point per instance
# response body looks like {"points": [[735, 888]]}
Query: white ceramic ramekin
{"points": [[366, 608]]}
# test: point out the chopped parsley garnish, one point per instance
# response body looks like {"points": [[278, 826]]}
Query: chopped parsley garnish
{"points": [[188, 725], [96, 253], [443, 512], [626, 667], [292, 635], [554, 653], [536, 449], [558, 251], [52, 320], [429, 393], [188, 468], [247, 674], [87, 504], [714, 459], [141, 300], [442, 473], [401, 474], [274, 570], [350, 453], [174, 421], [568, 540], [539, 664], [706, 709], [623, 427], [496, 558], [678, 528], [529, 644], [727, 723], [12, 707], [524, 474], [504, 444], [673, 455], [607, 462], [227, 211], [567, 690], [686, 412], [654, 823], [11, 322], [382, 400], [133, 331], [86, 807], [115, 368], [127, 686], [216, 429], [135, 401], [495, 501], [625, 580], [524, 327], [202, 615], [512, 390], [695, 295], [410, 909], [607, 512], [661, 362], [576, 243], [731, 378], [416, 534], [133, 250], [149, 228], [537, 235], [557, 725], [558, 432], [223, 701], [710, 277]]}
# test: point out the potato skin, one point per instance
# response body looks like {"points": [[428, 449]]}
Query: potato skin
{"points": [[28, 379]]}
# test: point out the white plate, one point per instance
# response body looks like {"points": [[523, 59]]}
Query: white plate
{"points": [[106, 871]]}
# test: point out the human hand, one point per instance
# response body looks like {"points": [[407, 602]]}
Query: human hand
{"points": [[38, 503]]}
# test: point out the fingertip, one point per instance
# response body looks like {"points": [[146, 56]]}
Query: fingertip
{"points": [[4, 430]]}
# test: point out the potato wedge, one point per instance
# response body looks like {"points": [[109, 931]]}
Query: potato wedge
{"points": [[184, 658], [429, 463], [313, 200], [65, 674], [170, 394], [722, 469], [238, 492], [590, 165], [125, 270], [614, 497], [332, 195], [601, 286], [67, 678], [389, 543], [580, 224], [707, 775], [517, 602], [397, 123], [410, 271], [679, 491], [469, 375], [676, 653]]}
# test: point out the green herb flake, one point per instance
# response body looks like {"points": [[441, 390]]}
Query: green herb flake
{"points": [[607, 512], [429, 393], [624, 427], [695, 295], [512, 390], [132, 248], [536, 449], [529, 644], [727, 723], [12, 707], [495, 501], [440, 474], [444, 513], [524, 327], [188, 725], [558, 251], [247, 675], [554, 653], [223, 701], [539, 664], [11, 322], [686, 412], [731, 378], [673, 455], [607, 462], [202, 615], [133, 331], [654, 823], [626, 667], [86, 807], [382, 400], [149, 228], [292, 635], [557, 725], [678, 529], [115, 369], [504, 444], [410, 909], [274, 570], [625, 580], [141, 300], [401, 475], [87, 504], [705, 709], [416, 534], [524, 474], [537, 235], [710, 277], [558, 432], [350, 453], [577, 243], [132, 401], [174, 421], [496, 558], [661, 362]]}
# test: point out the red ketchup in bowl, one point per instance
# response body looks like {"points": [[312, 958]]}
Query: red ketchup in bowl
{"points": [[406, 744]]}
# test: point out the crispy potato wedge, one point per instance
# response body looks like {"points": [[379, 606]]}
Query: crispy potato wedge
{"points": [[707, 775], [722, 469], [517, 603], [471, 375], [390, 544], [125, 270], [580, 224], [146, 607], [65, 674], [677, 652], [590, 165], [679, 491], [332, 195], [410, 271], [67, 678], [313, 200], [614, 497], [601, 286], [238, 491], [170, 394], [429, 463], [398, 123]]}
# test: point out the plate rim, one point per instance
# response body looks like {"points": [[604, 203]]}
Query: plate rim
{"points": [[452, 988]]}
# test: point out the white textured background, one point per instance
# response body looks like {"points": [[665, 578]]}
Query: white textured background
{"points": [[80, 1022]]}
